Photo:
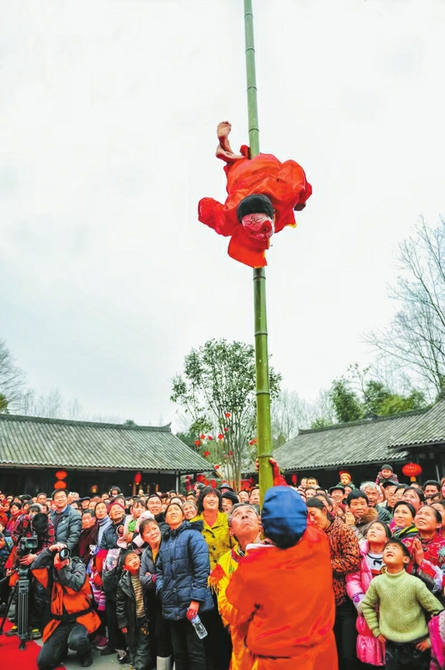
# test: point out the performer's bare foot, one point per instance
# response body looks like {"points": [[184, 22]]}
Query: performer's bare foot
{"points": [[224, 151]]}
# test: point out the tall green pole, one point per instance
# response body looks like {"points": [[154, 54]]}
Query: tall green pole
{"points": [[264, 433]]}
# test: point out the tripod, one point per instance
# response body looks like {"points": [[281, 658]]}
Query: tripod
{"points": [[21, 590]]}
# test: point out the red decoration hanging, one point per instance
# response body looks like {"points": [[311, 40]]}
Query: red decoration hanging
{"points": [[61, 474], [294, 478], [412, 470], [138, 478], [59, 485]]}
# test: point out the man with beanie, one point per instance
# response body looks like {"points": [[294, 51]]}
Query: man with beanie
{"points": [[284, 591], [228, 500]]}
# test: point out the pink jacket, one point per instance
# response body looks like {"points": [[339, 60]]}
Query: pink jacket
{"points": [[369, 649]]}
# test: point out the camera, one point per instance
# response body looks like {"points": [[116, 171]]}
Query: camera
{"points": [[27, 545], [64, 553]]}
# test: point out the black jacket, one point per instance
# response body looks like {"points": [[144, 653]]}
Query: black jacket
{"points": [[126, 606]]}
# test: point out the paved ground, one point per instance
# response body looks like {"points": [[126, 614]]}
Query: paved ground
{"points": [[102, 662]]}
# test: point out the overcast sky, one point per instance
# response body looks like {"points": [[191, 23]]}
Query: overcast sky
{"points": [[108, 112]]}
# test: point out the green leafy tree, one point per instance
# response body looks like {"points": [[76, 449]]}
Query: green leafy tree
{"points": [[379, 400], [357, 396], [217, 390], [347, 404]]}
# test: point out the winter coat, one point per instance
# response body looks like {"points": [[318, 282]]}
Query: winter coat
{"points": [[88, 536], [217, 537], [286, 597], [69, 527], [126, 607], [436, 630], [345, 556], [110, 537], [71, 597], [182, 571], [369, 648], [148, 565]]}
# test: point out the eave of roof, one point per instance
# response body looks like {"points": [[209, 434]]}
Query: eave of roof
{"points": [[40, 442], [361, 442]]}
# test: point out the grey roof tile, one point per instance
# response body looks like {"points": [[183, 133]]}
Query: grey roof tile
{"points": [[365, 441], [80, 444]]}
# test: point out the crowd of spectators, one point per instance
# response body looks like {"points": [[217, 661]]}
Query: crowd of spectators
{"points": [[159, 566]]}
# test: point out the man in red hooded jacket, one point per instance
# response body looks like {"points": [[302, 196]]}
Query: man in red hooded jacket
{"points": [[284, 591]]}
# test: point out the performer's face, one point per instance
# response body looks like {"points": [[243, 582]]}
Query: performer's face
{"points": [[258, 226]]}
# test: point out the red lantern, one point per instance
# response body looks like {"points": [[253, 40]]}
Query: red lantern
{"points": [[137, 478], [61, 474], [59, 485], [412, 470], [294, 479], [213, 483]]}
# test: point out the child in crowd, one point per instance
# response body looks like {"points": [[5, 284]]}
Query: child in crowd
{"points": [[394, 608], [131, 612], [386, 474]]}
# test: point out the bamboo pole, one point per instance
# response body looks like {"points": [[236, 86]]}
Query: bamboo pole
{"points": [[264, 433]]}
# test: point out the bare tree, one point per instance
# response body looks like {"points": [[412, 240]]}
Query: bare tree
{"points": [[290, 413], [12, 379], [416, 336]]}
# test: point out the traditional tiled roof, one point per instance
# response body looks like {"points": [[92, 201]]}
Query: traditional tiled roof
{"points": [[41, 442], [428, 429], [367, 441]]}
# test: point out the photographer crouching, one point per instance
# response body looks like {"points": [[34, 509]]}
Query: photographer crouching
{"points": [[72, 615], [32, 533]]}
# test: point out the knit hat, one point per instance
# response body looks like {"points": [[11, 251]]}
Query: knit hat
{"points": [[254, 204], [115, 502], [230, 495], [284, 516], [387, 467]]}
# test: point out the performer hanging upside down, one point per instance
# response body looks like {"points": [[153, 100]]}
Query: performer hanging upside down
{"points": [[262, 196]]}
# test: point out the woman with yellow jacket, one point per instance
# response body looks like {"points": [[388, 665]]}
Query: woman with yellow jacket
{"points": [[217, 536]]}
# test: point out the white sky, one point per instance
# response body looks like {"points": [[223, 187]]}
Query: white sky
{"points": [[108, 112]]}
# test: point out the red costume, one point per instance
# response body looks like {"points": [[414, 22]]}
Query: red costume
{"points": [[283, 183], [283, 593]]}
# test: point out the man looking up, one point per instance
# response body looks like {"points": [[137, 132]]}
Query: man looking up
{"points": [[245, 527], [373, 494]]}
